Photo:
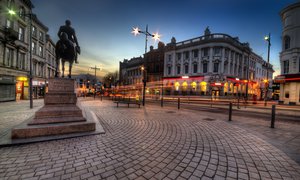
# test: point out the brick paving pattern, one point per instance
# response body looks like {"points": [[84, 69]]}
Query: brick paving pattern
{"points": [[151, 143]]}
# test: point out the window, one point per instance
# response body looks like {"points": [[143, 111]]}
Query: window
{"points": [[33, 48], [217, 51], [34, 31], [169, 58], [204, 67], [195, 53], [205, 51], [186, 55], [9, 23], [41, 36], [9, 57], [169, 70], [216, 67], [287, 41], [178, 55], [286, 67], [21, 61], [186, 69], [226, 53], [22, 13], [178, 69], [41, 50], [195, 67], [21, 34]]}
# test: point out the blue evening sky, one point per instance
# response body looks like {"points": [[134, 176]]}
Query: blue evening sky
{"points": [[103, 27]]}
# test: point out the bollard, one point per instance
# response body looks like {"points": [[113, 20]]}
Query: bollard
{"points": [[178, 103], [273, 116], [101, 97], [162, 102], [230, 111], [238, 105]]}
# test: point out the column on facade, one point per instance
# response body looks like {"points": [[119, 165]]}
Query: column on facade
{"points": [[233, 63], [173, 68], [238, 64], [222, 61], [229, 61], [210, 63], [199, 61]]}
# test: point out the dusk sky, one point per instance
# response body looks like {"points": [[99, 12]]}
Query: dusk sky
{"points": [[103, 27]]}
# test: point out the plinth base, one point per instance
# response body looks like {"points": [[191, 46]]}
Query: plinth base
{"points": [[59, 116]]}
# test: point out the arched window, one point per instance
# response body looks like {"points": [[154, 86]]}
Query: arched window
{"points": [[287, 41]]}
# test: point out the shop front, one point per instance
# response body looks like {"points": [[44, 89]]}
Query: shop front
{"points": [[21, 88], [39, 88], [7, 88]]}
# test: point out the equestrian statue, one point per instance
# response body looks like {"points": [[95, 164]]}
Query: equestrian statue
{"points": [[66, 48]]}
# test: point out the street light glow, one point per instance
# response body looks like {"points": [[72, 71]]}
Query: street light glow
{"points": [[267, 38], [135, 31], [156, 37], [11, 12]]}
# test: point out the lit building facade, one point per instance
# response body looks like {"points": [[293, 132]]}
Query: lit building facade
{"points": [[130, 71], [14, 46], [290, 56], [14, 51], [214, 64]]}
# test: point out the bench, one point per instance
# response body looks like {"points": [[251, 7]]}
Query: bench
{"points": [[128, 103]]}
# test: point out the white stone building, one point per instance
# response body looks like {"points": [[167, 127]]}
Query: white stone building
{"points": [[213, 64], [290, 55]]}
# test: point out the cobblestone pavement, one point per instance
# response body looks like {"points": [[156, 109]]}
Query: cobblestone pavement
{"points": [[151, 143], [15, 112]]}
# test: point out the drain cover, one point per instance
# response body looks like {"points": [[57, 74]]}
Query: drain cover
{"points": [[208, 119], [170, 112]]}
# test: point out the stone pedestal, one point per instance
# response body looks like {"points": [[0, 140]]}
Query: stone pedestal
{"points": [[59, 115]]}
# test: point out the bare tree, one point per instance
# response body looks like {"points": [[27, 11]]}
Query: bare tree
{"points": [[111, 79]]}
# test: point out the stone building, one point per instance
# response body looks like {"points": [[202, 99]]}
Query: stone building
{"points": [[130, 71], [14, 51], [39, 60], [213, 64], [290, 55]]}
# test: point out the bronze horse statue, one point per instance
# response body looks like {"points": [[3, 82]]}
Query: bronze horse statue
{"points": [[65, 51]]}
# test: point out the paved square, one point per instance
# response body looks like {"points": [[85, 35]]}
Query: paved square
{"points": [[150, 143]]}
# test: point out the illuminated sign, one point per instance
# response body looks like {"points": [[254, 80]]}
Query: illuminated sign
{"points": [[185, 77]]}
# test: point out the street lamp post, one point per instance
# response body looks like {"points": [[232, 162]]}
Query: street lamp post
{"points": [[155, 36], [268, 39], [12, 12], [95, 68], [144, 83]]}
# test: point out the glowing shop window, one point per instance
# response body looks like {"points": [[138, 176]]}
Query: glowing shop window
{"points": [[177, 86], [203, 86]]}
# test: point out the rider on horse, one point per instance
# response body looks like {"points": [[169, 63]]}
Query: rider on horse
{"points": [[70, 35]]}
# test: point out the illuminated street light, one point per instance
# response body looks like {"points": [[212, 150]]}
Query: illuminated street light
{"points": [[268, 39], [136, 31], [144, 83], [13, 13]]}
